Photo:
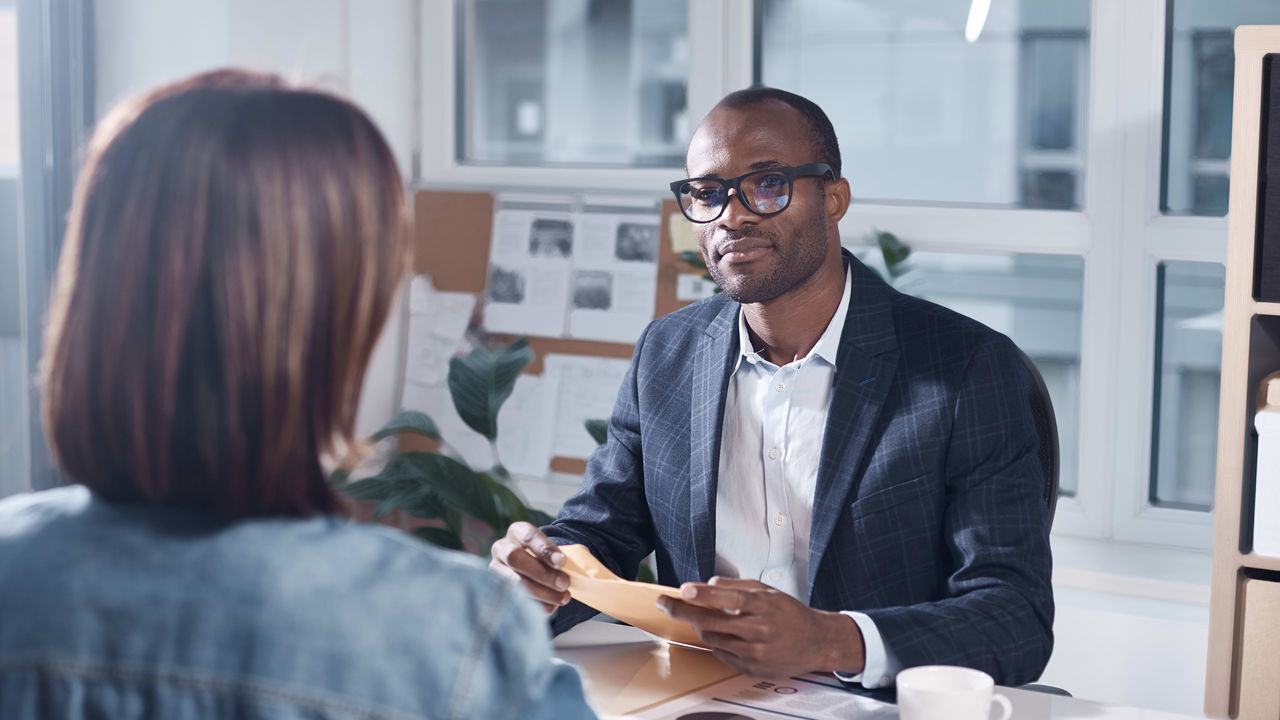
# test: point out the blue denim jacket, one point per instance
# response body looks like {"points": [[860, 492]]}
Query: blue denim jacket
{"points": [[110, 611]]}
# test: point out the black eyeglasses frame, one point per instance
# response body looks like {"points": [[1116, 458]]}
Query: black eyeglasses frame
{"points": [[791, 173]]}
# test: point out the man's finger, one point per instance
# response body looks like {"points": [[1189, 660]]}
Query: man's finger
{"points": [[739, 584], [524, 563], [709, 620], [540, 545], [549, 597], [720, 597]]}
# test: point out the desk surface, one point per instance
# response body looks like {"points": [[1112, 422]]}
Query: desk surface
{"points": [[628, 674]]}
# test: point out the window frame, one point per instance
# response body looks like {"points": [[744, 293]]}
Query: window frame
{"points": [[1119, 231]]}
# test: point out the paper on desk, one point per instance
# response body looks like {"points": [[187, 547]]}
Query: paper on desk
{"points": [[745, 697], [634, 603]]}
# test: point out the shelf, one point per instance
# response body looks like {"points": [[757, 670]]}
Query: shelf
{"points": [[1254, 561], [1266, 308]]}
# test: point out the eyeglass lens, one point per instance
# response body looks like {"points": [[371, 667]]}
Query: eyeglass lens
{"points": [[764, 193]]}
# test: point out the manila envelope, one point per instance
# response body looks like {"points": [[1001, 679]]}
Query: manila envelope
{"points": [[634, 603]]}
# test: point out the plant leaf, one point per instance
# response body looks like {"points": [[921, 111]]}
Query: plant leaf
{"points": [[599, 430], [370, 489], [694, 258], [644, 574], [409, 421], [461, 488], [442, 537], [895, 252], [509, 503], [482, 380]]}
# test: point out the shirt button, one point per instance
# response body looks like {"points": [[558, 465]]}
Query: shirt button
{"points": [[781, 387], [775, 575], [778, 519], [773, 454], [752, 359]]}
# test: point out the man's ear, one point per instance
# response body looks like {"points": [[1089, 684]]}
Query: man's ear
{"points": [[839, 195]]}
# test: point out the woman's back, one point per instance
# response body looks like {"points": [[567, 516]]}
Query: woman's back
{"points": [[142, 612]]}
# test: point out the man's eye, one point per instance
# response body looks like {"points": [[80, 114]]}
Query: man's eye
{"points": [[772, 182], [707, 195]]}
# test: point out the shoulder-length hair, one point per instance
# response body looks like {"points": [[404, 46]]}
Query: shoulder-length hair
{"points": [[232, 252]]}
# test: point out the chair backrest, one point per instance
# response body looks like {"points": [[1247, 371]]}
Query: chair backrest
{"points": [[1047, 429]]}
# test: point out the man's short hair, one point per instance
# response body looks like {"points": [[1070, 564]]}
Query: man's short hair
{"points": [[821, 133], [232, 253]]}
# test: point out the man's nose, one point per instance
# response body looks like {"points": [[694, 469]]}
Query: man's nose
{"points": [[735, 213]]}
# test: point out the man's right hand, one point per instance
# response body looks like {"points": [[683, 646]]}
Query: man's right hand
{"points": [[524, 554]]}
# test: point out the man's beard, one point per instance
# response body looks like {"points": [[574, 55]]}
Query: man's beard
{"points": [[793, 266]]}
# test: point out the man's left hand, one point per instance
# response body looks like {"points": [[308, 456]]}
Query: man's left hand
{"points": [[764, 632]]}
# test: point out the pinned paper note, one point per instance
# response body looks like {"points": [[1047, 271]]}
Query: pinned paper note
{"points": [[681, 230], [634, 603]]}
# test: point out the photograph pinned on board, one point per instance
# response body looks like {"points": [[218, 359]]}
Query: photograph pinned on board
{"points": [[550, 238], [636, 242], [592, 290], [506, 286]]}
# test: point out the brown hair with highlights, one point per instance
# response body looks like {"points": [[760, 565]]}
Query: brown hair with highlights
{"points": [[232, 253]]}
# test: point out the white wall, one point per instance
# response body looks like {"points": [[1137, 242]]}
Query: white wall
{"points": [[364, 50]]}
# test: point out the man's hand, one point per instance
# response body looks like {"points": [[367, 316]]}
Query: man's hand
{"points": [[524, 554], [764, 632]]}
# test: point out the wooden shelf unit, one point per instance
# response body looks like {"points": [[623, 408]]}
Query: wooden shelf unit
{"points": [[1243, 663]]}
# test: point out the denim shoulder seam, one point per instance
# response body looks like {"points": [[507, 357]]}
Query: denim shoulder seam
{"points": [[88, 669], [480, 638]]}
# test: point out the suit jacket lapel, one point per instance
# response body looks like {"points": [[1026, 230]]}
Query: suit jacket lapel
{"points": [[865, 366], [713, 362]]}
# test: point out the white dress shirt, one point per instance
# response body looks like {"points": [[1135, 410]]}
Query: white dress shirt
{"points": [[774, 419]]}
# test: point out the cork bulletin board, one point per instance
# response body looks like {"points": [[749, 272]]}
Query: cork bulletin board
{"points": [[451, 241]]}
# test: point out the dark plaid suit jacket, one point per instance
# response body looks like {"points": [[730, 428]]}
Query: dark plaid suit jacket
{"points": [[929, 514]]}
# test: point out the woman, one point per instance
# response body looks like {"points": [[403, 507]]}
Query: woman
{"points": [[232, 253]]}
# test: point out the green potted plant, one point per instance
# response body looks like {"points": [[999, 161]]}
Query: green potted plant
{"points": [[464, 508]]}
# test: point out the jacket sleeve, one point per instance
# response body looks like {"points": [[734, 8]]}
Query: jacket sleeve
{"points": [[509, 671], [996, 612], [610, 512]]}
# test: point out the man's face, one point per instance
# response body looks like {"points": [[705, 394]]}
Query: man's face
{"points": [[753, 258]]}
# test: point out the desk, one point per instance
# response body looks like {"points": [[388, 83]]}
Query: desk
{"points": [[626, 673]]}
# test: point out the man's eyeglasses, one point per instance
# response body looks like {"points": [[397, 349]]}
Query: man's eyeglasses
{"points": [[764, 192]]}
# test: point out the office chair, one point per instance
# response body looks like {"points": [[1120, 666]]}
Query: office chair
{"points": [[1047, 429]]}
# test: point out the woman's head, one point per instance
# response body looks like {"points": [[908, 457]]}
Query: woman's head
{"points": [[231, 256]]}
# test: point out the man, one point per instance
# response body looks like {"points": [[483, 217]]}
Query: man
{"points": [[839, 477]]}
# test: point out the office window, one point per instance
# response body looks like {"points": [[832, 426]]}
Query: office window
{"points": [[925, 114], [14, 387], [1052, 102], [1200, 70], [573, 82], [1187, 363], [1036, 301]]}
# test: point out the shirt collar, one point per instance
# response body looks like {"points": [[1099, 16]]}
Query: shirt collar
{"points": [[828, 345]]}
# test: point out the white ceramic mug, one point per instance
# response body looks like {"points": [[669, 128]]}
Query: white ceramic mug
{"points": [[938, 692]]}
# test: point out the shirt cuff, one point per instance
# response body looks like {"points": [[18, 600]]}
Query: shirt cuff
{"points": [[880, 666]]}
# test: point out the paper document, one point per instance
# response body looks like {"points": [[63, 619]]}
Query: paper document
{"points": [[588, 387], [615, 276], [437, 325], [530, 268], [744, 698], [634, 603]]}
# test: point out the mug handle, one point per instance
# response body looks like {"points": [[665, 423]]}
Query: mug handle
{"points": [[1006, 708]]}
